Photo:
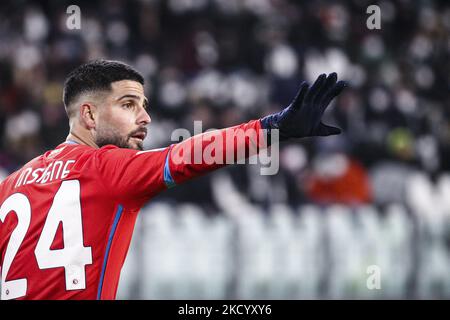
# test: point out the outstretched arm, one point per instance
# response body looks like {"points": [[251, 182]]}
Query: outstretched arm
{"points": [[137, 176], [302, 118]]}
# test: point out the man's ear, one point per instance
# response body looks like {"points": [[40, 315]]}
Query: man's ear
{"points": [[87, 115]]}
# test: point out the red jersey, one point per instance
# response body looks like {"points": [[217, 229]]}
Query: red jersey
{"points": [[67, 217]]}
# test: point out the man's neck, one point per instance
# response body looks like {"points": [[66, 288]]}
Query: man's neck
{"points": [[78, 138]]}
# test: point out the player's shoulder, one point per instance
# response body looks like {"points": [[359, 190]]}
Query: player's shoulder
{"points": [[76, 159], [86, 157], [65, 149], [74, 151]]}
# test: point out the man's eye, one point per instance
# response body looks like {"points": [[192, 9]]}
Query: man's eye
{"points": [[127, 105]]}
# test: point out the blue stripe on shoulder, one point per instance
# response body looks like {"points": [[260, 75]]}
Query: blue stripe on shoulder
{"points": [[168, 180]]}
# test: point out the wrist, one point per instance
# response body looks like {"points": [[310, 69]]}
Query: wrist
{"points": [[270, 126]]}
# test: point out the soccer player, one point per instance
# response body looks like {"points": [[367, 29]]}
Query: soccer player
{"points": [[67, 216]]}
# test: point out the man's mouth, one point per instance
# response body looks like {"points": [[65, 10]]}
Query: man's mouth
{"points": [[140, 135]]}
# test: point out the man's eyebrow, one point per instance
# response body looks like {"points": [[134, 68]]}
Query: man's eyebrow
{"points": [[129, 96], [132, 96]]}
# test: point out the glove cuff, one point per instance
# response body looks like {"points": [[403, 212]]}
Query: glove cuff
{"points": [[268, 124]]}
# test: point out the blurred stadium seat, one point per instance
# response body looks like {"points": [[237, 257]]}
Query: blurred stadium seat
{"points": [[284, 254]]}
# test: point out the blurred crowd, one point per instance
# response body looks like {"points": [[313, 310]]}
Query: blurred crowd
{"points": [[228, 61]]}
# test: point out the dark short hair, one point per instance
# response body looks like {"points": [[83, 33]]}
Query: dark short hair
{"points": [[96, 75]]}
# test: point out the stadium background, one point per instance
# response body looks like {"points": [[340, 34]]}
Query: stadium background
{"points": [[377, 195]]}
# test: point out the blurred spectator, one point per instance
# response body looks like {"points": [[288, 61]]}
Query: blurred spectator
{"points": [[338, 179]]}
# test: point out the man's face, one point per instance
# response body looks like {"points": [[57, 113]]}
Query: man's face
{"points": [[122, 119]]}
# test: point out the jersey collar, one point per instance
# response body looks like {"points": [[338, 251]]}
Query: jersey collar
{"points": [[71, 142]]}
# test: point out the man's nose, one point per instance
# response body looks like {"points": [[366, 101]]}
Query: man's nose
{"points": [[144, 117]]}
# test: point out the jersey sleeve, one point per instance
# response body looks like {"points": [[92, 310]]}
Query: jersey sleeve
{"points": [[136, 176], [212, 150]]}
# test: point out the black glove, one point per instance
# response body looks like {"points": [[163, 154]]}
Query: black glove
{"points": [[302, 118]]}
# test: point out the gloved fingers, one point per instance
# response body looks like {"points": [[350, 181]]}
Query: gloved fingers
{"points": [[326, 130], [298, 100], [315, 88], [332, 93], [329, 83], [318, 103]]}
